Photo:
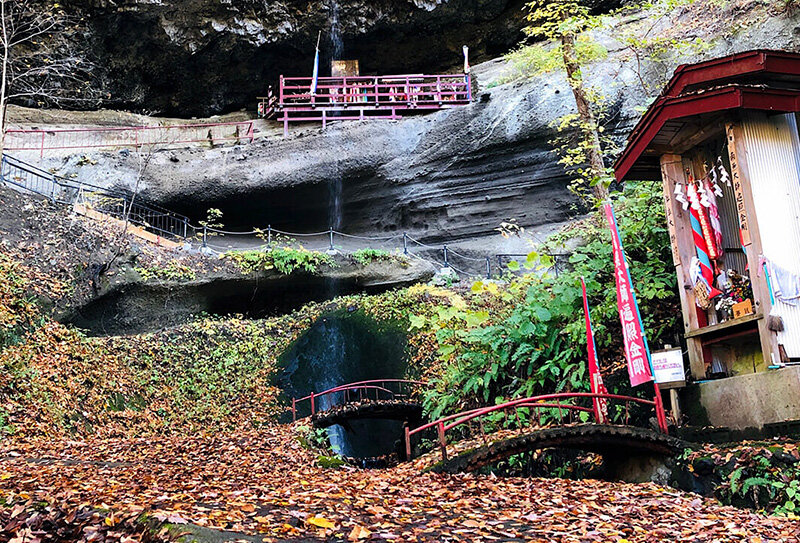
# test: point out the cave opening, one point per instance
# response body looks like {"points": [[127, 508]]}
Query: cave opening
{"points": [[215, 58], [361, 204], [342, 347]]}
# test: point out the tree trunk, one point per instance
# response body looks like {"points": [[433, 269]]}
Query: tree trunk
{"points": [[586, 115], [3, 76]]}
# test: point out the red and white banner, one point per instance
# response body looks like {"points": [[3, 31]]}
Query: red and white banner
{"points": [[595, 378], [636, 352]]}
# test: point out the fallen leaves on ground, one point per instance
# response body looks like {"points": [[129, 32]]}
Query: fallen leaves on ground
{"points": [[264, 482], [29, 521]]}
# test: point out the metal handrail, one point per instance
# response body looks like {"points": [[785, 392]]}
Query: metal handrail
{"points": [[116, 205], [166, 223], [379, 385], [443, 424]]}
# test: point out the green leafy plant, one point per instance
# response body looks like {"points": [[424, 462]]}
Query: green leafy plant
{"points": [[763, 476], [330, 462], [368, 256], [537, 344], [6, 428], [212, 221], [173, 271], [286, 260]]}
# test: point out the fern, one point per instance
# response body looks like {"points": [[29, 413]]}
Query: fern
{"points": [[754, 481], [734, 479]]}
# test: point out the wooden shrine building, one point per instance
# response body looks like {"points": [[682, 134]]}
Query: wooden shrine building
{"points": [[723, 139]]}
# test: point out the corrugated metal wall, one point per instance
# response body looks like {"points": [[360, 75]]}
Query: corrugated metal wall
{"points": [[773, 159]]}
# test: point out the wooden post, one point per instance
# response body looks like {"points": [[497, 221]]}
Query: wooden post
{"points": [[294, 410], [682, 243], [751, 238], [676, 408], [408, 442], [312, 403], [442, 442]]}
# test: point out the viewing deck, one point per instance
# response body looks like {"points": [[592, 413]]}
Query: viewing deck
{"points": [[358, 98]]}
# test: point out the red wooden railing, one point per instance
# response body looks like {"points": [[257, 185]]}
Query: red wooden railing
{"points": [[388, 91], [126, 136], [362, 389], [536, 402], [363, 97]]}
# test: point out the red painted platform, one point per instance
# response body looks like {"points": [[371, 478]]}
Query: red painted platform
{"points": [[359, 98]]}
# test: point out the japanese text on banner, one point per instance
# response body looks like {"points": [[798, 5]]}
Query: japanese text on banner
{"points": [[632, 330]]}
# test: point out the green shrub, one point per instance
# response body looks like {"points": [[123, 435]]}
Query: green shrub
{"points": [[283, 259], [367, 256], [173, 271], [763, 476], [539, 346]]}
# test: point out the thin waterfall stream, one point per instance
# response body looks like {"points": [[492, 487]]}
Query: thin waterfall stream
{"points": [[345, 346], [335, 183]]}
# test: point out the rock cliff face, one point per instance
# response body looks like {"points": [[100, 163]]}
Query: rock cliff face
{"points": [[456, 173], [202, 57], [451, 174]]}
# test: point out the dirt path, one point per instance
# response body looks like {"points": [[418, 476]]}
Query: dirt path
{"points": [[264, 482]]}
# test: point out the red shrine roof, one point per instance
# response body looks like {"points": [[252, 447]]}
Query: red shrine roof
{"points": [[698, 95]]}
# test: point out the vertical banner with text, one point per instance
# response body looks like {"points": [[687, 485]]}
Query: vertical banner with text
{"points": [[636, 351], [595, 378]]}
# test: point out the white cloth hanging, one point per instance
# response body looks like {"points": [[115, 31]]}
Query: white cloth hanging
{"points": [[785, 284]]}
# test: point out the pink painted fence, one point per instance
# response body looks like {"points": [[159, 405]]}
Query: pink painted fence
{"points": [[127, 136], [365, 97]]}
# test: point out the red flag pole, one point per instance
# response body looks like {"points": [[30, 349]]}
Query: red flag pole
{"points": [[595, 377]]}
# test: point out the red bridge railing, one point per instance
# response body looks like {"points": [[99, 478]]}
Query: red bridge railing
{"points": [[547, 401], [363, 97], [126, 136], [361, 390]]}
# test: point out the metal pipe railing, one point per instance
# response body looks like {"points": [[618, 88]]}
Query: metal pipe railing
{"points": [[126, 136], [118, 206], [165, 223], [444, 424], [379, 385]]}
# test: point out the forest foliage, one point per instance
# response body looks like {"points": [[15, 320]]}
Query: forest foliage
{"points": [[530, 339]]}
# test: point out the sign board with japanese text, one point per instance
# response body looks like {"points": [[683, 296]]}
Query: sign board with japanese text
{"points": [[668, 368], [741, 212]]}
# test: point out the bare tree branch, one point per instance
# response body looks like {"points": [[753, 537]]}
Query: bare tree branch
{"points": [[41, 62]]}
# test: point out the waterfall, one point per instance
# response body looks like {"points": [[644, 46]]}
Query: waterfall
{"points": [[336, 341], [332, 375], [344, 347], [335, 201], [335, 184], [337, 45]]}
